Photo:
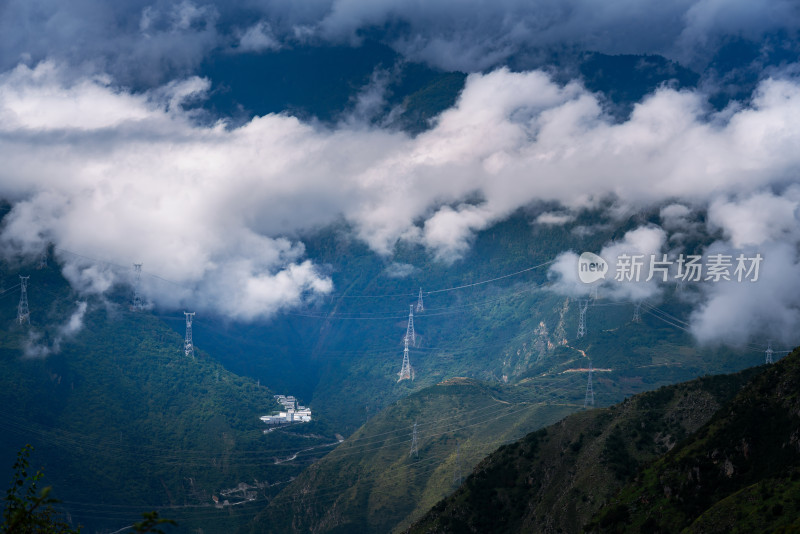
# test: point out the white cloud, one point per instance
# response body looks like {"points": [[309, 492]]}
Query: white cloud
{"points": [[144, 43], [756, 219], [448, 231], [646, 242], [735, 313], [399, 270], [258, 38], [75, 322], [37, 346], [643, 241], [134, 179], [554, 218], [563, 275]]}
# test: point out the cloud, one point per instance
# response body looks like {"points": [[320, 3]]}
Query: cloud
{"points": [[563, 275], [448, 231], [258, 38], [554, 218], [758, 218], [400, 270], [736, 313], [36, 346], [215, 209], [766, 224], [75, 322], [647, 242], [474, 35], [619, 283], [144, 43]]}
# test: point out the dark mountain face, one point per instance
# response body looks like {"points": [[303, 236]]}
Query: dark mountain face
{"points": [[717, 454], [122, 421], [739, 472]]}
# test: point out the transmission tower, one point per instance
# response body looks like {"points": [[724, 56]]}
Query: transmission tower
{"points": [[584, 305], [414, 449], [420, 307], [768, 354], [188, 346], [42, 260], [406, 372], [594, 294], [457, 470], [589, 399], [637, 316], [410, 334], [138, 304], [23, 313]]}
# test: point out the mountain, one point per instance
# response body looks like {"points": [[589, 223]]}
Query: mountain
{"points": [[168, 424], [740, 472], [122, 421], [380, 477], [506, 330], [397, 93], [402, 94], [717, 454]]}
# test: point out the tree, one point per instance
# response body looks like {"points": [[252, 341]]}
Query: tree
{"points": [[30, 512]]}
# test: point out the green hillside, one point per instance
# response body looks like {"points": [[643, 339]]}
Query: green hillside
{"points": [[372, 482], [504, 331], [123, 422], [738, 473], [119, 401], [716, 454], [554, 479], [124, 385]]}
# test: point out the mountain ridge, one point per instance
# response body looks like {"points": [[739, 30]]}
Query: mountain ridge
{"points": [[618, 469]]}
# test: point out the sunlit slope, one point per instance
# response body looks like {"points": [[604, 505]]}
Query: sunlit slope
{"points": [[377, 479], [740, 472], [555, 479]]}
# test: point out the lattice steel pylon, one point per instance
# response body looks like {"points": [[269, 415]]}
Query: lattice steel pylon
{"points": [[138, 303], [420, 306], [411, 336], [768, 354], [414, 446], [637, 315], [406, 371], [23, 313], [584, 305], [589, 399], [188, 346]]}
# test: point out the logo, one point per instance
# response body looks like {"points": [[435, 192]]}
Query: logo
{"points": [[591, 268]]}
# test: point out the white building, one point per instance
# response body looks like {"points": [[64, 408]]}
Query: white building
{"points": [[293, 413]]}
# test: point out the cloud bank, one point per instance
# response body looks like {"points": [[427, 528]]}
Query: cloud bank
{"points": [[131, 177], [142, 42]]}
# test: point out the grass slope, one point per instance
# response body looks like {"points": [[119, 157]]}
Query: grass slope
{"points": [[371, 482], [555, 479], [743, 464]]}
